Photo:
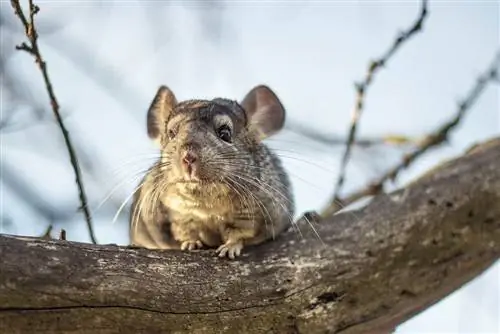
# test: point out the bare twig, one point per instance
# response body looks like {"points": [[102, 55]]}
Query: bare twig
{"points": [[390, 139], [431, 140], [47, 234], [362, 87], [33, 49]]}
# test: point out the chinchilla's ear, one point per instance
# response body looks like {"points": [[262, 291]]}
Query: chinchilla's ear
{"points": [[159, 111], [264, 111]]}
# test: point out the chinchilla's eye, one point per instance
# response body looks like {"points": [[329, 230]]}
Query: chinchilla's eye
{"points": [[224, 133]]}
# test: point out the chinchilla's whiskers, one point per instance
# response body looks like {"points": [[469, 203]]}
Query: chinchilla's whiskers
{"points": [[153, 195], [268, 191], [255, 182], [151, 153], [144, 200], [254, 198], [242, 196], [248, 194], [156, 194], [342, 206], [164, 165], [134, 177], [138, 210], [133, 161], [232, 188], [231, 157], [127, 168], [157, 166], [124, 203], [307, 145], [314, 230], [131, 178], [262, 208], [236, 155], [305, 161], [277, 173], [137, 214], [286, 199]]}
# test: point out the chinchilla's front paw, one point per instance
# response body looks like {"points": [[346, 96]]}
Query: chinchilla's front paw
{"points": [[231, 249], [191, 245]]}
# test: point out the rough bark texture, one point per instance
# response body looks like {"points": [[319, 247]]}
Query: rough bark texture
{"points": [[375, 268]]}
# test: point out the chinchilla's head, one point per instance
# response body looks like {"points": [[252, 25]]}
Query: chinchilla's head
{"points": [[212, 141]]}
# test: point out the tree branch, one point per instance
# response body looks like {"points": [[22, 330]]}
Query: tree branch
{"points": [[375, 269], [362, 87], [430, 141], [33, 49], [313, 134]]}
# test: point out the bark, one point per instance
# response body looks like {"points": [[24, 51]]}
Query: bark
{"points": [[375, 268]]}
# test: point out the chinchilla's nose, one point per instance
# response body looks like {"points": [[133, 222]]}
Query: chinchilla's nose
{"points": [[190, 164], [189, 158]]}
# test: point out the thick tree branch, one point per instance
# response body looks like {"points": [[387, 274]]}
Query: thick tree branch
{"points": [[33, 49], [361, 88], [376, 268]]}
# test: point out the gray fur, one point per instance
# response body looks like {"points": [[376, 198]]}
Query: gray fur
{"points": [[242, 196]]}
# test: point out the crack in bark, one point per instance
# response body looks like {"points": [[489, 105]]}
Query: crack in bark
{"points": [[127, 307]]}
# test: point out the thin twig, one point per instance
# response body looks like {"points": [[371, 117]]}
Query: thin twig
{"points": [[431, 140], [33, 49], [362, 87], [47, 234], [313, 134]]}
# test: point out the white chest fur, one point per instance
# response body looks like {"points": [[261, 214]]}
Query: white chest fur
{"points": [[182, 202]]}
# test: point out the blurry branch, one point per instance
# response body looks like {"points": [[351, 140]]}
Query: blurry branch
{"points": [[47, 27], [14, 118], [47, 234], [24, 190], [18, 97], [431, 140], [43, 210], [361, 88], [16, 93], [102, 72], [210, 17], [159, 36], [5, 221], [6, 120], [7, 126], [33, 49], [392, 139]]}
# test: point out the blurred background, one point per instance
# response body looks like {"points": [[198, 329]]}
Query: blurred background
{"points": [[106, 60]]}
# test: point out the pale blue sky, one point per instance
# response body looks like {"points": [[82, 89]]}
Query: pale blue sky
{"points": [[309, 52]]}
